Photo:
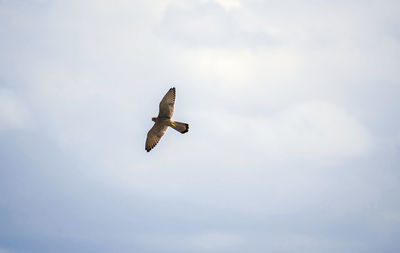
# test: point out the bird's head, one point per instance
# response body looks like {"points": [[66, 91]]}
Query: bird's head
{"points": [[154, 119]]}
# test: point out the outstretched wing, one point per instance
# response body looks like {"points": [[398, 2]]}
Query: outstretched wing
{"points": [[154, 135], [167, 104]]}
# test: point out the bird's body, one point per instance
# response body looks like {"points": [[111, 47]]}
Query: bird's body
{"points": [[163, 121]]}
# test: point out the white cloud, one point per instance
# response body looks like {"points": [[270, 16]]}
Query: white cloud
{"points": [[229, 4], [311, 130], [242, 69], [208, 24]]}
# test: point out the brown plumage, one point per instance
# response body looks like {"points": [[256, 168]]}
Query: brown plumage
{"points": [[163, 121]]}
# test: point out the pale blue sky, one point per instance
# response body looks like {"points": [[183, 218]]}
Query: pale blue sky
{"points": [[294, 141]]}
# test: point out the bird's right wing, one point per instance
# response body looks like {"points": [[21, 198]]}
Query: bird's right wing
{"points": [[154, 135], [167, 104]]}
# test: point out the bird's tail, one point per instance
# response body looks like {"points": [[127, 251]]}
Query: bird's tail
{"points": [[180, 127]]}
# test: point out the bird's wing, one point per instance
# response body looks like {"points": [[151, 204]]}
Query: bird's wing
{"points": [[167, 104], [154, 135]]}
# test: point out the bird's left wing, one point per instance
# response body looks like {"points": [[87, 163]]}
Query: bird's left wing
{"points": [[154, 135]]}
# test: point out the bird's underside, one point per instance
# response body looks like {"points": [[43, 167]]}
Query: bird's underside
{"points": [[163, 121]]}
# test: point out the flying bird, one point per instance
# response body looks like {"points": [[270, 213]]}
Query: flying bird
{"points": [[163, 121]]}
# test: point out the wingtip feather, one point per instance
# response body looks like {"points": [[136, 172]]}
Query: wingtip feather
{"points": [[187, 129]]}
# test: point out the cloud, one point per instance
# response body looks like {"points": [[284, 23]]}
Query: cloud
{"points": [[230, 4], [210, 241], [209, 24], [311, 130], [216, 241], [5, 250], [241, 69], [293, 141], [13, 112]]}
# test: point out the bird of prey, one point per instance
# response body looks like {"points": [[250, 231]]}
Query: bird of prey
{"points": [[163, 121]]}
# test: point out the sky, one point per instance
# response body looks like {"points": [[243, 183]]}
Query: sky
{"points": [[294, 139]]}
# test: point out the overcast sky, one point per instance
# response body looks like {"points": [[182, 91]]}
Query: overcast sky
{"points": [[294, 139]]}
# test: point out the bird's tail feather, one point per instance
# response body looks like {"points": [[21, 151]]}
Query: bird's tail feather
{"points": [[180, 127]]}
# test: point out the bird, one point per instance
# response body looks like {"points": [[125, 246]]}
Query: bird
{"points": [[163, 121]]}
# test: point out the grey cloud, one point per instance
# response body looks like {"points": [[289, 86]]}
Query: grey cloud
{"points": [[209, 25]]}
